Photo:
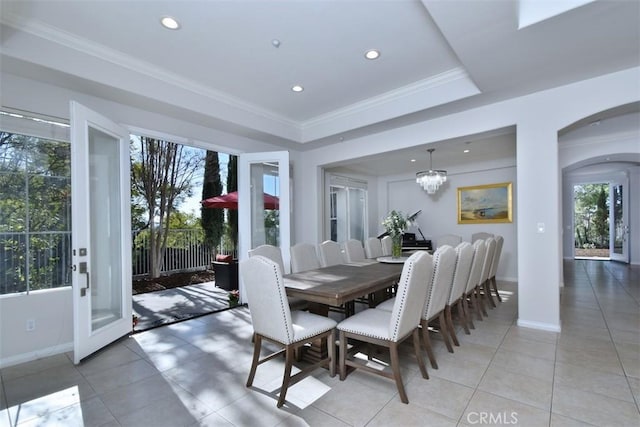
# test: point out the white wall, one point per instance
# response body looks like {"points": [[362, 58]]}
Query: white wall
{"points": [[439, 211], [52, 311], [538, 118]]}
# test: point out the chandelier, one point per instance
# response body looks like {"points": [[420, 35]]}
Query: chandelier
{"points": [[431, 180]]}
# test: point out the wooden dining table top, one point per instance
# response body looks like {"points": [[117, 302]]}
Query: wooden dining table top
{"points": [[338, 284]]}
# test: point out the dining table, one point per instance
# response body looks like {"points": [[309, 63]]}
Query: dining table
{"points": [[338, 285]]}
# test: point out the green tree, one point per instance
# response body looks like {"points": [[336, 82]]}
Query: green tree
{"points": [[162, 172], [232, 185], [35, 212], [601, 218], [590, 214], [212, 219]]}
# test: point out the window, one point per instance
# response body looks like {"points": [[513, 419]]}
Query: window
{"points": [[347, 209], [35, 211]]}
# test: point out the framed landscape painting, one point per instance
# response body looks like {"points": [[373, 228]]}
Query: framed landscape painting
{"points": [[482, 204]]}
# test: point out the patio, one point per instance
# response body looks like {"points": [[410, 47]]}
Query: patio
{"points": [[177, 304]]}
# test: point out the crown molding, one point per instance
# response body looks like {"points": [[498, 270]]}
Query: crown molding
{"points": [[395, 95], [443, 88], [78, 44]]}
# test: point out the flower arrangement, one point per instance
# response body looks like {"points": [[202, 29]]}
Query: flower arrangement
{"points": [[395, 223], [234, 298]]}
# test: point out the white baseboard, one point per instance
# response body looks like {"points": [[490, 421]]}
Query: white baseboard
{"points": [[35, 355], [551, 327]]}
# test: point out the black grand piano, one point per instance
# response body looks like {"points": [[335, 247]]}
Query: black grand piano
{"points": [[409, 240]]}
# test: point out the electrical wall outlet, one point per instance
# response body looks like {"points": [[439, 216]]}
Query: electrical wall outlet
{"points": [[31, 325]]}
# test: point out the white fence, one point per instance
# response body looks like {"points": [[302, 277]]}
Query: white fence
{"points": [[185, 252]]}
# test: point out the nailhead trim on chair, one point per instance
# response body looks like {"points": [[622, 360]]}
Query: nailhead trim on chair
{"points": [[276, 268], [402, 297]]}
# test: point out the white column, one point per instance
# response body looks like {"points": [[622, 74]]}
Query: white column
{"points": [[538, 224]]}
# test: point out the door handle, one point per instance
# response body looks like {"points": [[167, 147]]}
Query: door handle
{"points": [[82, 269]]}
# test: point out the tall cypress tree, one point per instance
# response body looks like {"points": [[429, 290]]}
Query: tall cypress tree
{"points": [[212, 219], [232, 185]]}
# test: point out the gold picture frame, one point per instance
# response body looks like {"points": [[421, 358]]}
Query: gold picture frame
{"points": [[485, 204]]}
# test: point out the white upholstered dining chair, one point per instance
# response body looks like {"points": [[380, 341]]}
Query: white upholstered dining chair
{"points": [[387, 245], [452, 240], [479, 253], [483, 287], [274, 254], [457, 299], [273, 321], [372, 247], [330, 253], [481, 235], [494, 267], [353, 250], [444, 263], [390, 328], [303, 257]]}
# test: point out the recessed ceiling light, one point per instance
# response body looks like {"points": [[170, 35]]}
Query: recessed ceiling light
{"points": [[372, 54], [297, 88], [170, 23], [413, 160], [466, 151]]}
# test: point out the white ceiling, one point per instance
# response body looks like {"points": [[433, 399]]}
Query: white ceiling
{"points": [[221, 68]]}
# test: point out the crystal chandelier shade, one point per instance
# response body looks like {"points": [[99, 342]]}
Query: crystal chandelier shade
{"points": [[432, 179]]}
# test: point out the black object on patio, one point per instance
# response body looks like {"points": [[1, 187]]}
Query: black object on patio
{"points": [[225, 269]]}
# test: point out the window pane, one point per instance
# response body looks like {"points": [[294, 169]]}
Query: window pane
{"points": [[13, 191], [35, 215], [49, 203], [13, 263], [49, 261]]}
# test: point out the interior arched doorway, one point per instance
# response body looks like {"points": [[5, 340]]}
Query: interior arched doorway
{"points": [[605, 148]]}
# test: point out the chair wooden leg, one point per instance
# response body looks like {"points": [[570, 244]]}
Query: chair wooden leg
{"points": [[257, 344], [463, 314], [444, 331], [343, 356], [426, 341], [395, 367], [287, 375], [469, 307], [416, 348], [487, 291], [479, 304], [495, 288], [332, 354], [450, 326]]}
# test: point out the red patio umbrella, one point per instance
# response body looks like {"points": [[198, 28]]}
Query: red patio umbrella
{"points": [[230, 201]]}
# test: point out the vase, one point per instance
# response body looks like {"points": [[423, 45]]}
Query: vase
{"points": [[396, 245]]}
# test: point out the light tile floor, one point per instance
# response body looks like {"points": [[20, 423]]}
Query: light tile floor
{"points": [[193, 373]]}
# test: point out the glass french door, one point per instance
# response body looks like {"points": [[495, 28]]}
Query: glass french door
{"points": [[618, 224], [261, 176], [101, 231]]}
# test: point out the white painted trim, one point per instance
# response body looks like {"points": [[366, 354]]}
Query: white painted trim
{"points": [[539, 325], [79, 44], [35, 355]]}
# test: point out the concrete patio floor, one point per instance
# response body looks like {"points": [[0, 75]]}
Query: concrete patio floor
{"points": [[172, 305]]}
